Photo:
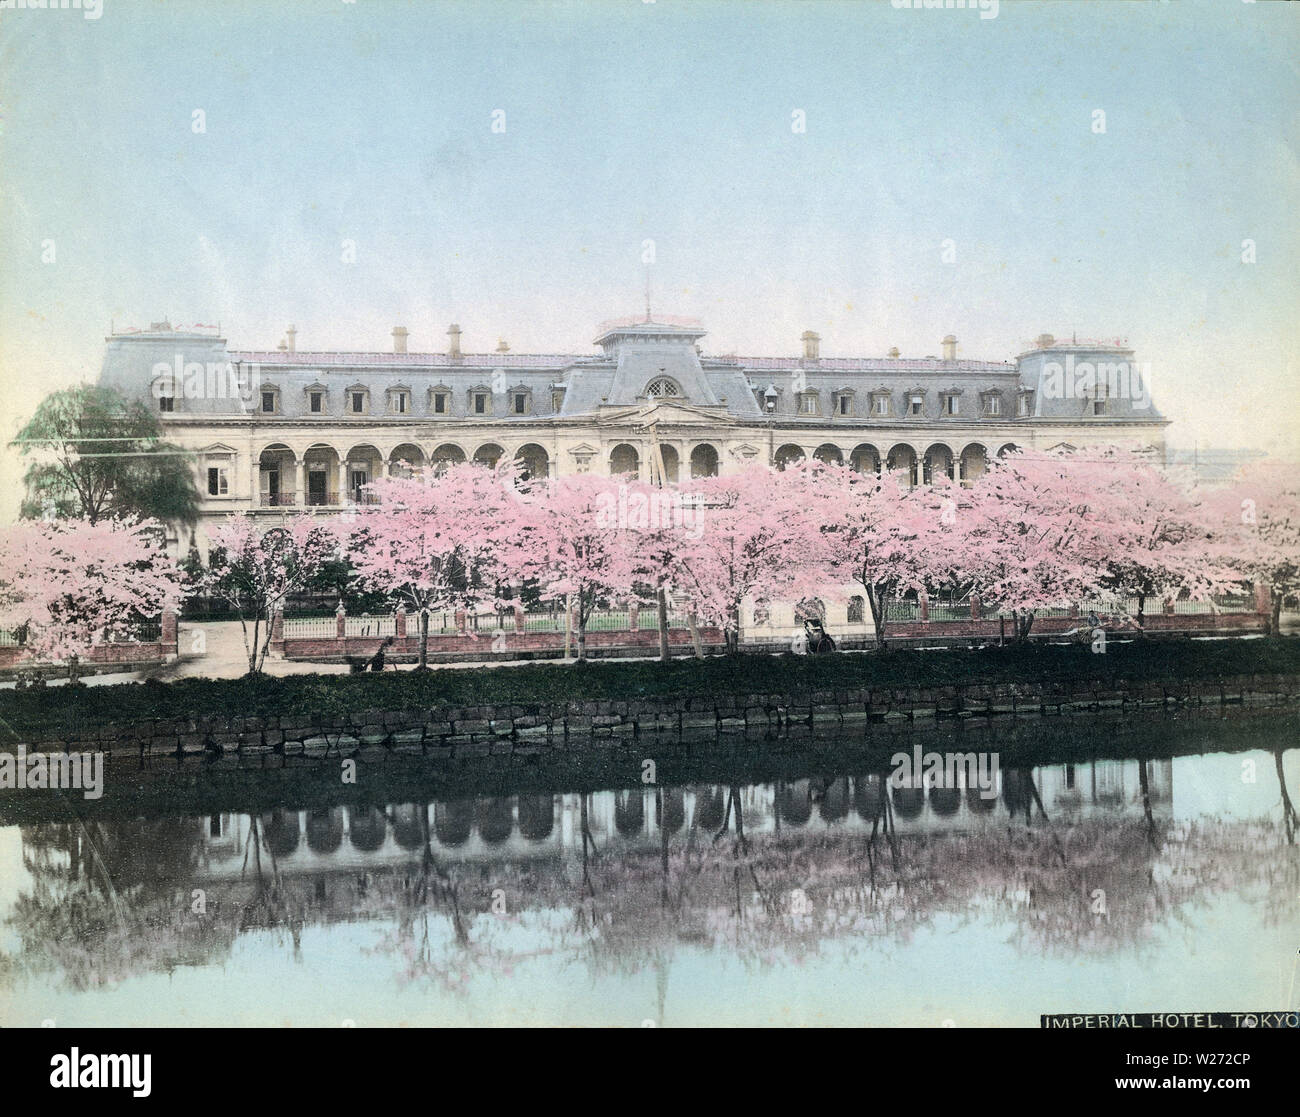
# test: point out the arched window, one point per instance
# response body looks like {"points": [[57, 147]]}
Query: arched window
{"points": [[856, 607], [704, 461], [661, 387], [624, 459]]}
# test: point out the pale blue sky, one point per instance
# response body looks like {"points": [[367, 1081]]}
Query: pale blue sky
{"points": [[370, 121]]}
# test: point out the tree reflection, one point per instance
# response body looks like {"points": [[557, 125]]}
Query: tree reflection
{"points": [[737, 868]]}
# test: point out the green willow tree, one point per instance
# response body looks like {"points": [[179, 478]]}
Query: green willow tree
{"points": [[93, 453]]}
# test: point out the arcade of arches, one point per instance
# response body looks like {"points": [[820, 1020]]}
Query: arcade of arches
{"points": [[324, 475]]}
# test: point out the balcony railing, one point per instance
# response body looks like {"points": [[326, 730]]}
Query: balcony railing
{"points": [[317, 499]]}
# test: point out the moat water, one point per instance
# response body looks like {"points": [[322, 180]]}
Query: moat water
{"points": [[734, 892]]}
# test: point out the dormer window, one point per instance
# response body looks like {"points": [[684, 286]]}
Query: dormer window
{"points": [[480, 401], [1099, 400], [991, 404], [661, 387], [317, 396], [269, 401], [916, 404], [521, 401], [358, 400], [809, 403], [1024, 404], [950, 404], [399, 401], [166, 402], [844, 402], [880, 403], [557, 398], [767, 398], [440, 401]]}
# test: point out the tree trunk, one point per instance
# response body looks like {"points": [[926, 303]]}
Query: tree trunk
{"points": [[664, 653], [1142, 609], [253, 665], [1275, 616], [733, 630], [264, 644], [695, 634], [663, 847], [1289, 817], [423, 665], [1024, 622], [73, 677], [582, 638], [1146, 802], [877, 608]]}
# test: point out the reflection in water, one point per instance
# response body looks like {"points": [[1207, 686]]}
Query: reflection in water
{"points": [[670, 810], [367, 828], [325, 830], [536, 817], [794, 802], [624, 878], [496, 819], [709, 803], [909, 802], [868, 797], [408, 825], [281, 830], [629, 812], [453, 821]]}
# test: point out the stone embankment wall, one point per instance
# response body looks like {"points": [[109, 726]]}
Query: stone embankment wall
{"points": [[519, 730]]}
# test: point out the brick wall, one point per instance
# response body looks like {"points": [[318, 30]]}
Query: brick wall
{"points": [[104, 656]]}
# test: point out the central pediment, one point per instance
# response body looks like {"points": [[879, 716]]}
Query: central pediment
{"points": [[664, 412]]}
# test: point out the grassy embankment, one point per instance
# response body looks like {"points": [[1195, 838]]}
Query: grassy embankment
{"points": [[45, 712]]}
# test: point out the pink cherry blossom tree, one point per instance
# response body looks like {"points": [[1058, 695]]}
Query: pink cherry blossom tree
{"points": [[1259, 518], [1159, 538], [761, 537], [73, 584], [436, 541], [887, 537], [568, 539], [665, 522], [1031, 533], [255, 569]]}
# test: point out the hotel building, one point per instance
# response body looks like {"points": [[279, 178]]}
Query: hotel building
{"points": [[273, 431]]}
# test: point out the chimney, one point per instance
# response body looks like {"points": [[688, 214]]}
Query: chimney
{"points": [[502, 345], [1044, 341], [950, 348], [291, 339], [399, 339], [811, 342], [453, 349]]}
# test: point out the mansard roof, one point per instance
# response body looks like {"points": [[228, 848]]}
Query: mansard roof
{"points": [[634, 353]]}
